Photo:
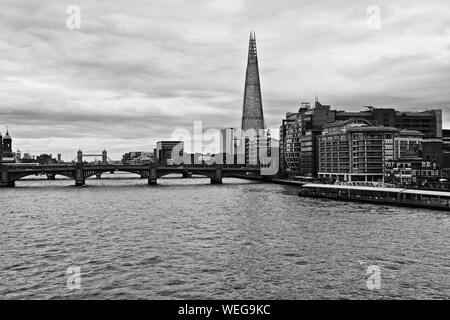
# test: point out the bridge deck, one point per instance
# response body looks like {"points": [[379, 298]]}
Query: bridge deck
{"points": [[80, 172], [64, 167]]}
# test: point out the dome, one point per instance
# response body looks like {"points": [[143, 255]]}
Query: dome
{"points": [[7, 137]]}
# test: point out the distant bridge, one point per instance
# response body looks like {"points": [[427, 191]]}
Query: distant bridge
{"points": [[103, 155], [79, 172]]}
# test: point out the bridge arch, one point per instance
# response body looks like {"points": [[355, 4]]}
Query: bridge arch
{"points": [[18, 176], [206, 174], [91, 173]]}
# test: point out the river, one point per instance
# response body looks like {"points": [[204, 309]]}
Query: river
{"points": [[187, 239]]}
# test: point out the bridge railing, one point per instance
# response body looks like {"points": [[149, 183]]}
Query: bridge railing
{"points": [[99, 166]]}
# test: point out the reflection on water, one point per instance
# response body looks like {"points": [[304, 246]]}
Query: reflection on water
{"points": [[188, 239]]}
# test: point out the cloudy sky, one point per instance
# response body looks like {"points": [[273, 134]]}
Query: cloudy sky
{"points": [[137, 70]]}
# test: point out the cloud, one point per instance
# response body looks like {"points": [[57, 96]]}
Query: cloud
{"points": [[135, 72]]}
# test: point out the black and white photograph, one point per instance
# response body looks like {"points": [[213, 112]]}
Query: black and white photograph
{"points": [[224, 155]]}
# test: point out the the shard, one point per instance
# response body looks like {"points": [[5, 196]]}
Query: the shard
{"points": [[252, 114]]}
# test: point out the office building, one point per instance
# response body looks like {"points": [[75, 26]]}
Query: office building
{"points": [[299, 132], [253, 136], [428, 122], [446, 152], [163, 152], [285, 125], [299, 141], [252, 113], [407, 140], [354, 150], [229, 145], [138, 157]]}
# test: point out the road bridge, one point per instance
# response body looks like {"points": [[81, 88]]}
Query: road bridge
{"points": [[80, 172]]}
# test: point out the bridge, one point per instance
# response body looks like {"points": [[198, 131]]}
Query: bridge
{"points": [[103, 155], [80, 172]]}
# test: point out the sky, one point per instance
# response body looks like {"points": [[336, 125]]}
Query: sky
{"points": [[136, 71]]}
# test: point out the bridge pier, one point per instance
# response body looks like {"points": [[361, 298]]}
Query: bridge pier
{"points": [[51, 176], [152, 177], [98, 176], [217, 177], [9, 184], [111, 171], [187, 174], [5, 182], [79, 175]]}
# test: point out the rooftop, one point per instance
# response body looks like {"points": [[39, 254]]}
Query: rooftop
{"points": [[373, 129], [407, 132], [345, 122], [426, 113]]}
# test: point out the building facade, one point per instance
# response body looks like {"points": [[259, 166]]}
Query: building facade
{"points": [[252, 113], [446, 152], [285, 125], [411, 169], [299, 141], [6, 153], [407, 140], [253, 135], [229, 145], [354, 150], [429, 122], [138, 157], [432, 151], [299, 133], [163, 152]]}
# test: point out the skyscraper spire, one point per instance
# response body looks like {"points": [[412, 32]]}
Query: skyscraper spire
{"points": [[252, 114]]}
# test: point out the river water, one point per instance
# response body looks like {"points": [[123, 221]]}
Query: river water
{"points": [[187, 239]]}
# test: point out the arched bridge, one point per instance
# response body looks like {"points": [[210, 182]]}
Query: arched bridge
{"points": [[80, 172]]}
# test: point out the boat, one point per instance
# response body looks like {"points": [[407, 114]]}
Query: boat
{"points": [[439, 200]]}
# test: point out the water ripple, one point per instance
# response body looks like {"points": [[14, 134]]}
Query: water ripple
{"points": [[186, 239]]}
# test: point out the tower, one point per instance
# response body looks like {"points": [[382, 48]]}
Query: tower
{"points": [[79, 156], [252, 114], [6, 153], [7, 143]]}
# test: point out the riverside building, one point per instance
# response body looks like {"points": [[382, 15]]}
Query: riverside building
{"points": [[299, 134], [354, 150]]}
